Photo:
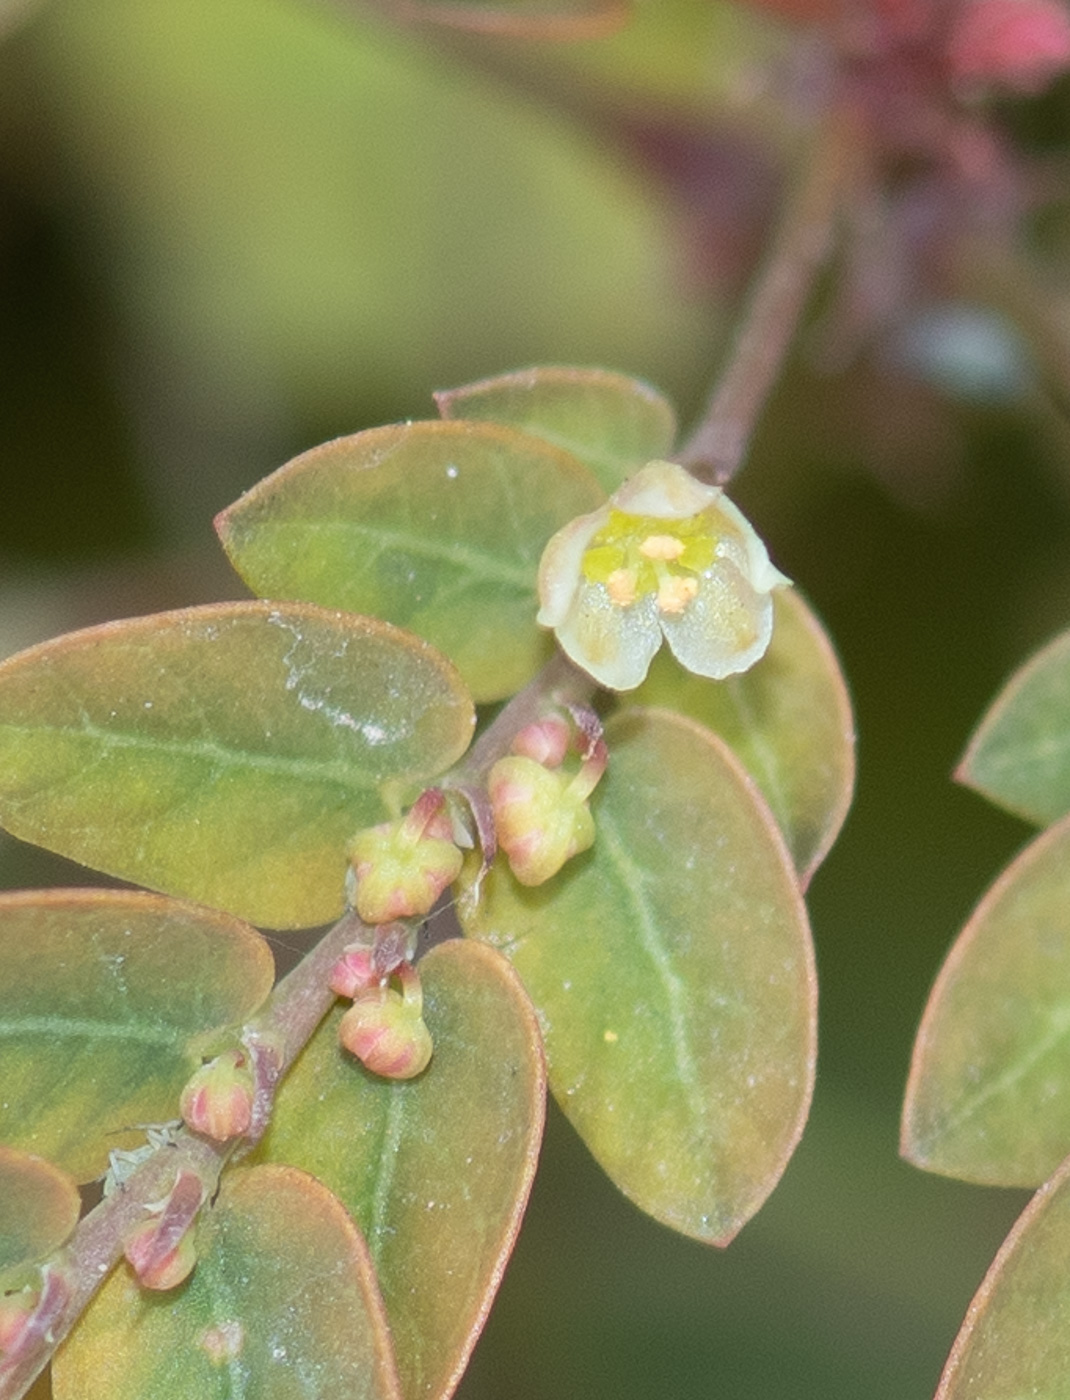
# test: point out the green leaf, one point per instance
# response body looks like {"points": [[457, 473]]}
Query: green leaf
{"points": [[105, 997], [789, 722], [989, 1092], [1015, 1341], [1020, 755], [224, 753], [672, 971], [517, 19], [612, 423], [283, 1303], [39, 1207], [436, 1170], [437, 527]]}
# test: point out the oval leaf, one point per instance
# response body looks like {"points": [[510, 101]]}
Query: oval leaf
{"points": [[104, 998], [612, 423], [672, 971], [436, 1170], [224, 753], [1019, 756], [39, 1207], [1015, 1341], [789, 722], [437, 527], [988, 1097], [282, 1303]]}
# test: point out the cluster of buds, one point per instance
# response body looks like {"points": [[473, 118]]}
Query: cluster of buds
{"points": [[399, 869], [384, 1028], [160, 1250], [218, 1100], [541, 815]]}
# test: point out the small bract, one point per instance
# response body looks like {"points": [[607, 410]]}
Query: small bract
{"points": [[665, 556]]}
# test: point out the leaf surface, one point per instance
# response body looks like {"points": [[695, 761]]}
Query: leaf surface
{"points": [[989, 1092], [104, 998], [224, 753], [436, 1170], [1015, 1341], [788, 720], [39, 1207], [612, 423], [672, 971], [282, 1304], [437, 527], [517, 19], [1019, 757]]}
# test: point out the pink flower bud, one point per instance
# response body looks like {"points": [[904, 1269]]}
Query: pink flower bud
{"points": [[354, 972], [546, 741], [160, 1250], [402, 867], [16, 1314], [218, 1099], [1021, 44], [540, 815], [385, 1030]]}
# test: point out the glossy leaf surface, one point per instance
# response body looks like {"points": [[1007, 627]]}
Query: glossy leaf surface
{"points": [[224, 753], [672, 971], [103, 997], [518, 19], [1015, 1341], [989, 1092], [437, 527], [612, 423], [39, 1208], [1020, 755], [788, 719], [282, 1303], [436, 1170]]}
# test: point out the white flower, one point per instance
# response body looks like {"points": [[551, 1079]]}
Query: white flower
{"points": [[665, 556]]}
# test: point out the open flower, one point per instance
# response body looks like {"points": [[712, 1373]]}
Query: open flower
{"points": [[665, 556]]}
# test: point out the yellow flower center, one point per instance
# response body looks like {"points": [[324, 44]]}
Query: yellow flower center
{"points": [[635, 555]]}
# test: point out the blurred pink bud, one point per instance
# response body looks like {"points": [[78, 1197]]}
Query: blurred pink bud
{"points": [[541, 817], [218, 1099], [160, 1250], [1021, 44], [16, 1315], [385, 1030]]}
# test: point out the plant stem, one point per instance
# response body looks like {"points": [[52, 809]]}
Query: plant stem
{"points": [[803, 241]]}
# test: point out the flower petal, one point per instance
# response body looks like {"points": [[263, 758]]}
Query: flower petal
{"points": [[561, 565], [613, 644], [666, 491], [725, 628]]}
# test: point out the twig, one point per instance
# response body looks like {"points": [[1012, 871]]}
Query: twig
{"points": [[801, 244]]}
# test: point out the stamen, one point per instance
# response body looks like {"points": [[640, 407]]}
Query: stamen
{"points": [[674, 594], [666, 547], [621, 587]]}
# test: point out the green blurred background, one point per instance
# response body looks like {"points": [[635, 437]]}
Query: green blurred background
{"points": [[228, 232]]}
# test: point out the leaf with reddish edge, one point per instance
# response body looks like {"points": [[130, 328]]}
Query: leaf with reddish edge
{"points": [[437, 1169], [672, 971], [788, 720], [1015, 1341], [988, 1097], [612, 423], [560, 20], [224, 753], [106, 997], [437, 527], [283, 1302], [1019, 756], [39, 1207]]}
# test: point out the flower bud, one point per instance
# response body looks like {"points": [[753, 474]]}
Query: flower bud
{"points": [[546, 741], [218, 1099], [541, 816], [16, 1314], [160, 1250], [354, 972], [1021, 44], [385, 1029], [402, 867]]}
